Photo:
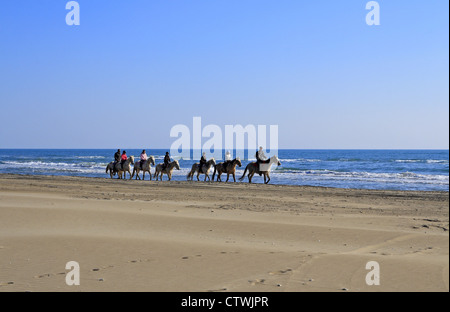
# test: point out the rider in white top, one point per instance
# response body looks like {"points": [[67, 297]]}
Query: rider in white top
{"points": [[260, 156], [227, 160]]}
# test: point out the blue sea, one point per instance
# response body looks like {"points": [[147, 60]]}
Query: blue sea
{"points": [[424, 170]]}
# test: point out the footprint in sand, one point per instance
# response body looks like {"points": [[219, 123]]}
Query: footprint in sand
{"points": [[280, 272], [217, 290], [259, 281]]}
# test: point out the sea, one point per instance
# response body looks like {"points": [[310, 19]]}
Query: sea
{"points": [[421, 170]]}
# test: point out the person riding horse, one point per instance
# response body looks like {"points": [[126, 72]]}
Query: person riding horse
{"points": [[202, 162], [143, 158], [123, 158], [261, 159], [166, 161], [116, 160], [227, 160]]}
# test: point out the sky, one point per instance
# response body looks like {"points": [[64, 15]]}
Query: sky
{"points": [[134, 69]]}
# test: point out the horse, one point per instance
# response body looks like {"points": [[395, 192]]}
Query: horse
{"points": [[230, 169], [204, 170], [253, 168], [168, 170], [146, 167], [120, 169]]}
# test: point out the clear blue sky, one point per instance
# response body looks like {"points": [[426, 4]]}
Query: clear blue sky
{"points": [[133, 69]]}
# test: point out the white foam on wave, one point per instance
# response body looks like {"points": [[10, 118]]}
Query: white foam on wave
{"points": [[89, 157], [84, 167], [404, 177]]}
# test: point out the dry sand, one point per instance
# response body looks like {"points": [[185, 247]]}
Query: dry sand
{"points": [[196, 236]]}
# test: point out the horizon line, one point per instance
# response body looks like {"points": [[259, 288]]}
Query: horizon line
{"points": [[191, 149]]}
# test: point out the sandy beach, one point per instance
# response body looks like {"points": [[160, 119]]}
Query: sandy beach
{"points": [[197, 236]]}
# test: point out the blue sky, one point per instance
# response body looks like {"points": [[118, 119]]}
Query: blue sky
{"points": [[133, 69]]}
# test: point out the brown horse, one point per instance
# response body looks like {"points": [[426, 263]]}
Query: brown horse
{"points": [[230, 169]]}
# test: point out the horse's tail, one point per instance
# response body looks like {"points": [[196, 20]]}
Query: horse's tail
{"points": [[245, 171], [214, 173], [107, 168], [134, 170], [189, 175]]}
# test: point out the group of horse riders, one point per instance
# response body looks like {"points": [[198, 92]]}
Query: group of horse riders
{"points": [[122, 163], [122, 157]]}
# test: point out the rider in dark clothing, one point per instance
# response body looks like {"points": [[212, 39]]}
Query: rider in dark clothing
{"points": [[117, 156], [116, 160], [166, 160], [202, 162]]}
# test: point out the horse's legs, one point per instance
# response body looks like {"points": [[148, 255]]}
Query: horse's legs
{"points": [[234, 176], [228, 177]]}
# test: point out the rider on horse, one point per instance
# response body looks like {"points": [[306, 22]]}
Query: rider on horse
{"points": [[166, 161], [227, 160], [261, 159], [116, 160], [143, 158], [202, 162]]}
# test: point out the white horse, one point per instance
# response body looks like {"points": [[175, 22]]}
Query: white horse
{"points": [[159, 171], [205, 170], [253, 168], [145, 167], [119, 168]]}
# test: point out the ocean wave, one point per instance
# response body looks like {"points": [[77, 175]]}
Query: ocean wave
{"points": [[89, 157], [437, 161], [300, 160], [84, 167], [403, 177], [428, 161]]}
